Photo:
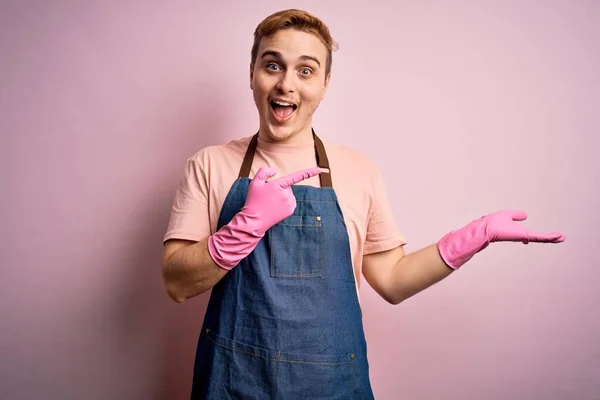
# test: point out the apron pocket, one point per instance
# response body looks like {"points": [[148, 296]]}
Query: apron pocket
{"points": [[296, 246], [242, 371], [239, 371], [316, 377]]}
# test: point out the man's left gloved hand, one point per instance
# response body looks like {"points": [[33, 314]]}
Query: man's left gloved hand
{"points": [[458, 247]]}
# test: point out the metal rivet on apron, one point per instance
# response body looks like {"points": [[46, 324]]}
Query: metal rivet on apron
{"points": [[352, 356], [318, 218]]}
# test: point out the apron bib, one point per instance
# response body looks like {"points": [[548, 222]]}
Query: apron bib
{"points": [[286, 323]]}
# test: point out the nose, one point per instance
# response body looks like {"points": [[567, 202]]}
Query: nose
{"points": [[287, 83]]}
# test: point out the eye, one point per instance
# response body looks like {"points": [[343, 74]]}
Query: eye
{"points": [[306, 71], [273, 66]]}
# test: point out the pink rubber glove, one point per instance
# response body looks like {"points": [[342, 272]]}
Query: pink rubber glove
{"points": [[267, 203], [457, 247]]}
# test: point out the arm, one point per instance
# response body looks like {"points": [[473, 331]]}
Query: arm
{"points": [[187, 269], [190, 268], [396, 276]]}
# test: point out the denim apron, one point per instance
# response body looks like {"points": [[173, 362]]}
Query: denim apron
{"points": [[286, 323]]}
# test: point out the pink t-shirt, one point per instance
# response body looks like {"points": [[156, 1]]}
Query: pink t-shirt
{"points": [[357, 181]]}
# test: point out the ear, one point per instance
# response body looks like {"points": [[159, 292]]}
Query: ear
{"points": [[251, 76]]}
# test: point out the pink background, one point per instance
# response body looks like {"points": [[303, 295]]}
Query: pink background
{"points": [[468, 108]]}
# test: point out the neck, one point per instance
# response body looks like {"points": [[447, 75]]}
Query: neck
{"points": [[301, 137]]}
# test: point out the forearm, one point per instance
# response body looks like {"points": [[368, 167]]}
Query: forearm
{"points": [[397, 277], [191, 271], [417, 271]]}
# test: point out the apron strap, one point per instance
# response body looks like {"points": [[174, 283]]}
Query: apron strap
{"points": [[320, 153], [322, 162], [247, 163]]}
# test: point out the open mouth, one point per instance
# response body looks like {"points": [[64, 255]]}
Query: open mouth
{"points": [[282, 110]]}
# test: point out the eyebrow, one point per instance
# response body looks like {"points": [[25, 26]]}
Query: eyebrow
{"points": [[277, 54]]}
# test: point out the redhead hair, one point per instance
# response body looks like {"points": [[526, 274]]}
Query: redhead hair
{"points": [[299, 20]]}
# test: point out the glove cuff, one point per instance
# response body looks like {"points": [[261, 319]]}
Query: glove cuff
{"points": [[458, 247], [234, 241]]}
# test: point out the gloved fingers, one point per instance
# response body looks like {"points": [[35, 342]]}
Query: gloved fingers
{"points": [[265, 173], [518, 215], [298, 176], [542, 237]]}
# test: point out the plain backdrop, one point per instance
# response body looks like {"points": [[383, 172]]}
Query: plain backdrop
{"points": [[467, 106]]}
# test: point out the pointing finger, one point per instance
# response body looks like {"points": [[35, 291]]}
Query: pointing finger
{"points": [[295, 177]]}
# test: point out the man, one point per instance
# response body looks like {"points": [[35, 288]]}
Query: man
{"points": [[281, 226]]}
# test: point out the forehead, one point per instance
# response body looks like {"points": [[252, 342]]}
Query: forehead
{"points": [[293, 44]]}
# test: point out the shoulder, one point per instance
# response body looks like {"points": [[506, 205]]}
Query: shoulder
{"points": [[356, 162], [233, 151], [218, 164]]}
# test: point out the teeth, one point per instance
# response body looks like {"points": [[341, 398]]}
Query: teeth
{"points": [[282, 103]]}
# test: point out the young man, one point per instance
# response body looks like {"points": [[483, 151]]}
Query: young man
{"points": [[281, 226]]}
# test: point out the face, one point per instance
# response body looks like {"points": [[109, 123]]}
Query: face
{"points": [[288, 81]]}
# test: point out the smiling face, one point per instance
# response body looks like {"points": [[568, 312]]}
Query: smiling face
{"points": [[288, 81]]}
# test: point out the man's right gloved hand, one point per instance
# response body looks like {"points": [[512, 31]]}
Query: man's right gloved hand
{"points": [[267, 203]]}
